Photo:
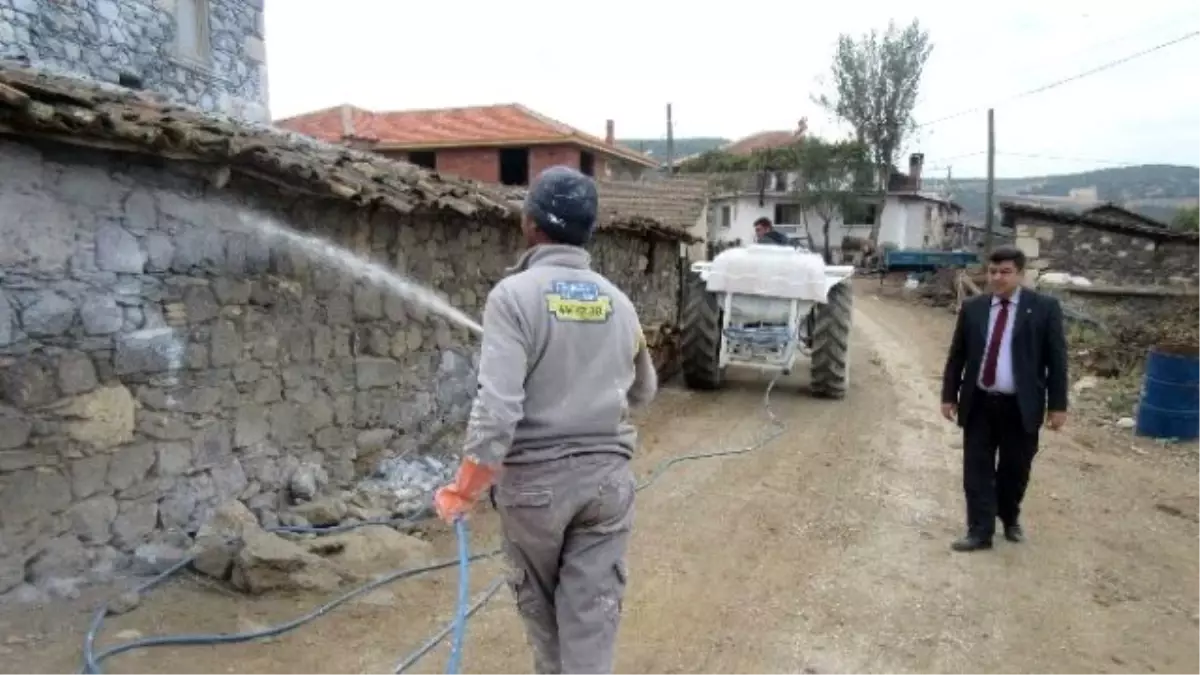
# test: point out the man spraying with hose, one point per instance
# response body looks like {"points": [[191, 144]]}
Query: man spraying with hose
{"points": [[563, 362]]}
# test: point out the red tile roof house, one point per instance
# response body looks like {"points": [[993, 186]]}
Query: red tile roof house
{"points": [[507, 144]]}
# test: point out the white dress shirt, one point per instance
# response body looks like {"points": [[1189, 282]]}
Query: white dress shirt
{"points": [[1005, 383]]}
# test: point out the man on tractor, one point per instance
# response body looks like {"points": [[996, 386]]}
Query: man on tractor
{"points": [[765, 233]]}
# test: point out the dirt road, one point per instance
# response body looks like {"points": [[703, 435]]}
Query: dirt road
{"points": [[826, 551]]}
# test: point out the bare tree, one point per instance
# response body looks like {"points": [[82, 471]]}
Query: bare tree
{"points": [[876, 79]]}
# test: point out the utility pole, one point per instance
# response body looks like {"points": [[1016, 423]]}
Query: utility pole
{"points": [[991, 183], [670, 143]]}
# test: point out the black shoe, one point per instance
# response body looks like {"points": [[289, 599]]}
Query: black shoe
{"points": [[1014, 533], [971, 543]]}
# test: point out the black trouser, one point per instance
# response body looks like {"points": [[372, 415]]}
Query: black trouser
{"points": [[995, 488]]}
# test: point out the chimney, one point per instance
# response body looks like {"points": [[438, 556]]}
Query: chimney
{"points": [[347, 121], [915, 162], [610, 136]]}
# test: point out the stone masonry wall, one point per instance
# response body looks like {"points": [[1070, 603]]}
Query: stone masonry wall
{"points": [[156, 357], [101, 39], [1106, 257]]}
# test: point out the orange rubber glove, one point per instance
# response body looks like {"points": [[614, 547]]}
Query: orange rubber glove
{"points": [[455, 499]]}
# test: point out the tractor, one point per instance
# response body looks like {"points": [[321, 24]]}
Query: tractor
{"points": [[761, 306]]}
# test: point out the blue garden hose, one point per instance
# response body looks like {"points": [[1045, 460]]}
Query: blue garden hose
{"points": [[463, 611], [92, 659], [460, 610]]}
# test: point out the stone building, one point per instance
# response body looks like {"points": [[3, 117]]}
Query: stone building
{"points": [[1105, 244], [160, 352], [206, 53]]}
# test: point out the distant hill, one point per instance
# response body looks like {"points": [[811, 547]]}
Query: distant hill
{"points": [[657, 147], [1154, 190]]}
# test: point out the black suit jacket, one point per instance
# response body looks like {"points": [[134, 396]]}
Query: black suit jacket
{"points": [[1039, 356]]}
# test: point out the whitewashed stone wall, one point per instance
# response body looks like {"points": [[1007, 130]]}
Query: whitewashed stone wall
{"points": [[157, 358], [103, 39]]}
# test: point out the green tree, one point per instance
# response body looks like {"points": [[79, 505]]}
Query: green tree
{"points": [[1187, 219], [828, 173], [763, 159], [876, 80], [715, 161]]}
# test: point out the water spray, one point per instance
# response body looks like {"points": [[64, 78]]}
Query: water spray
{"points": [[375, 273]]}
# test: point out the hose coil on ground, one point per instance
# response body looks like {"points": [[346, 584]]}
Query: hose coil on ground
{"points": [[92, 659]]}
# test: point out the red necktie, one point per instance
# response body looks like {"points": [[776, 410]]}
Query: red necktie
{"points": [[993, 348]]}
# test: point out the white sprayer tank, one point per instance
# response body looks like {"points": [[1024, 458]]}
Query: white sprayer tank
{"points": [[765, 279]]}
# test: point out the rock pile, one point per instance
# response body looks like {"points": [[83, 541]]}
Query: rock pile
{"points": [[232, 547], [399, 488], [239, 533]]}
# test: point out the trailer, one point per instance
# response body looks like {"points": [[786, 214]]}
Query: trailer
{"points": [[919, 260]]}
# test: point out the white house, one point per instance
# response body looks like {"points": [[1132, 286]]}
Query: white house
{"points": [[916, 220], [732, 213], [910, 219]]}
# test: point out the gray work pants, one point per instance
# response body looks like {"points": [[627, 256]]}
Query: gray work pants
{"points": [[566, 526]]}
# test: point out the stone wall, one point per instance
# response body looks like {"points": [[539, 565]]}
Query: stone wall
{"points": [[1106, 256], [103, 39], [156, 357]]}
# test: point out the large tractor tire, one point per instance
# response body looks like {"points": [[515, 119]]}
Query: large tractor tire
{"points": [[831, 343], [701, 338]]}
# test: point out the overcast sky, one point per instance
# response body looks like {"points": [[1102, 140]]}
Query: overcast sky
{"points": [[734, 68]]}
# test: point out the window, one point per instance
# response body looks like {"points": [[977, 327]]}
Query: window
{"points": [[726, 216], [192, 30], [788, 213], [859, 214], [426, 159], [587, 163], [514, 166]]}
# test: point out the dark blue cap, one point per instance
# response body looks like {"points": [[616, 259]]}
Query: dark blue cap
{"points": [[562, 202]]}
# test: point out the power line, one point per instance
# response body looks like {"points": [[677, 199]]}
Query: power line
{"points": [[1093, 160], [1034, 155], [1066, 80], [962, 156]]}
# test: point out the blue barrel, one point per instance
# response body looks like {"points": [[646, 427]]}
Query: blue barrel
{"points": [[1170, 405]]}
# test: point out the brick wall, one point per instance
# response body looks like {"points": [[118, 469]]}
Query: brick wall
{"points": [[483, 164], [158, 354], [542, 157], [1105, 256]]}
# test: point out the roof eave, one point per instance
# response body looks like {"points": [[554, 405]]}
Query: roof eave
{"points": [[1012, 210], [603, 148]]}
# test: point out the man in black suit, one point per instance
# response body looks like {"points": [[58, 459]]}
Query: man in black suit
{"points": [[1006, 370]]}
